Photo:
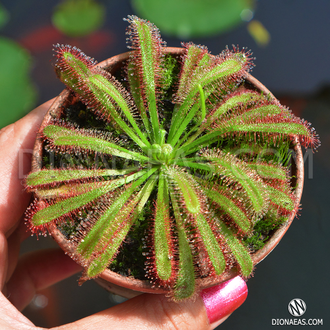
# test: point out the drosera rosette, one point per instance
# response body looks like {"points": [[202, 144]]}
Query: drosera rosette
{"points": [[182, 139]]}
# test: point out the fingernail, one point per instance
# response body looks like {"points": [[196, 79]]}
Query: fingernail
{"points": [[221, 300]]}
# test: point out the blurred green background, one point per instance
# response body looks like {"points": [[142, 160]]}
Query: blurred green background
{"points": [[289, 39], [282, 34]]}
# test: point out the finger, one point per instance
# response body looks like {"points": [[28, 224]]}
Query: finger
{"points": [[148, 311], [17, 142], [11, 318], [14, 242], [222, 300], [38, 270]]}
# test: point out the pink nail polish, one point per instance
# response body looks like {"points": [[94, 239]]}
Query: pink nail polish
{"points": [[221, 300]]}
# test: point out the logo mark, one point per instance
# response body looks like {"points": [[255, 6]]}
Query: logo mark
{"points": [[297, 307]]}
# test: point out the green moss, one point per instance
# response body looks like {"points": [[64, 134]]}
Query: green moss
{"points": [[263, 230]]}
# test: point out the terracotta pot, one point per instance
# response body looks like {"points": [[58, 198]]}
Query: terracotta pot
{"points": [[127, 286]]}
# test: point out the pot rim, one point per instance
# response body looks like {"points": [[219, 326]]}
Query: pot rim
{"points": [[144, 286]]}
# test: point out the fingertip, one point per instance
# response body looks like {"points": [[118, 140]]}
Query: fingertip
{"points": [[223, 299], [38, 270]]}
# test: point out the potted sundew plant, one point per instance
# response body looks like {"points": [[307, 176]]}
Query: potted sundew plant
{"points": [[168, 167]]}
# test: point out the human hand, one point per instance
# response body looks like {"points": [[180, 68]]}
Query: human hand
{"points": [[21, 278]]}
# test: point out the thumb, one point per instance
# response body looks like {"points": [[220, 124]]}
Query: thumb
{"points": [[149, 311]]}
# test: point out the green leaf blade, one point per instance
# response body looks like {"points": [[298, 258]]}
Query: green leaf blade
{"points": [[86, 247], [236, 170], [109, 92], [188, 189], [239, 251], [230, 208], [114, 235], [147, 43], [135, 90], [269, 171], [242, 98], [185, 282], [162, 233], [211, 244], [280, 198], [66, 206], [53, 176], [67, 137], [86, 193]]}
